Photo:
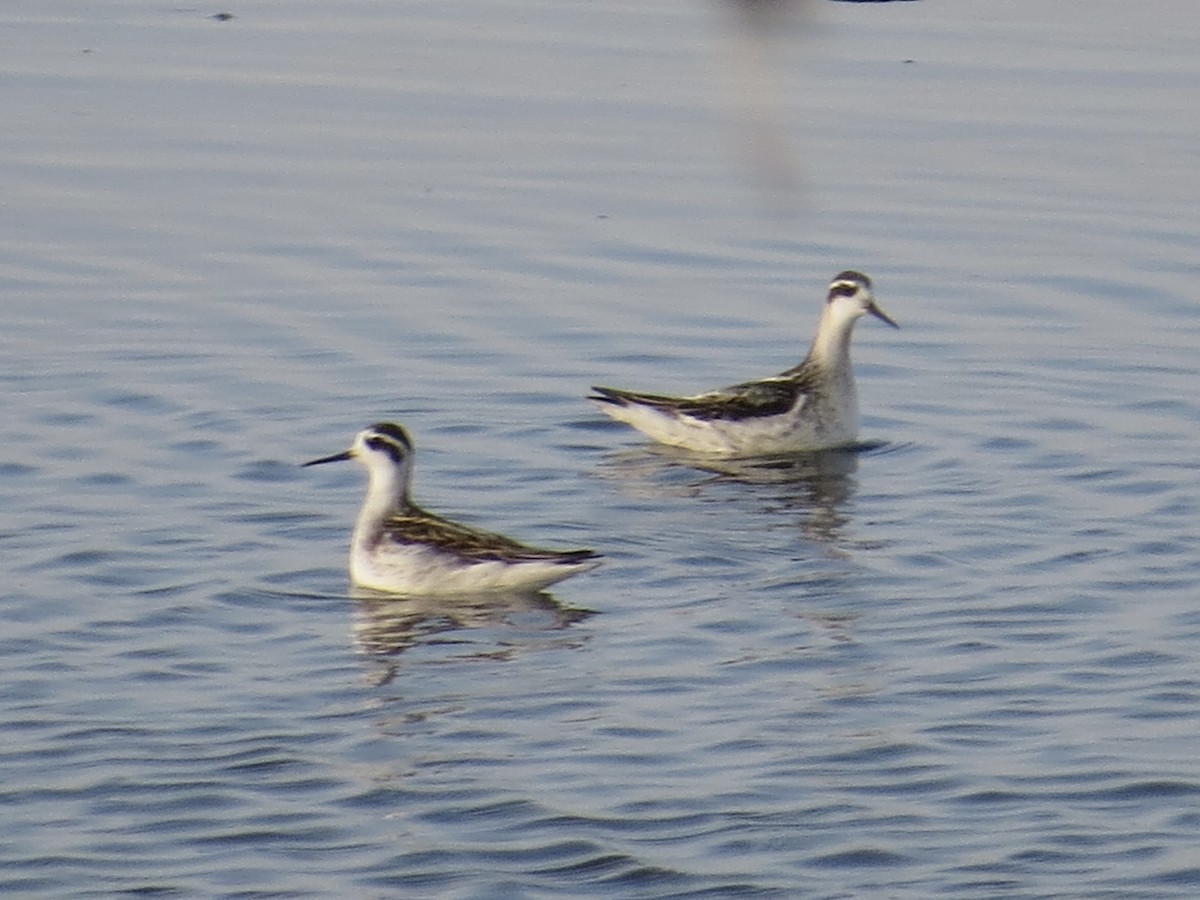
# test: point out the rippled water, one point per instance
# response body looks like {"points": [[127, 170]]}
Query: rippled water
{"points": [[961, 663]]}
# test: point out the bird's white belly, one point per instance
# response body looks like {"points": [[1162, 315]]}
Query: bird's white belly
{"points": [[419, 570], [812, 427]]}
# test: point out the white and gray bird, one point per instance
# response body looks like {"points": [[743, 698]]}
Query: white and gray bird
{"points": [[400, 548], [811, 406]]}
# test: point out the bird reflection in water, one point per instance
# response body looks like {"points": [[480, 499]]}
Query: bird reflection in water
{"points": [[486, 626], [818, 485]]}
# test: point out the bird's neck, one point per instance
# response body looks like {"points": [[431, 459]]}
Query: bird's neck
{"points": [[387, 493], [830, 350]]}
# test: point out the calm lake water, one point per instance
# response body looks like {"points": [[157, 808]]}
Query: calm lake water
{"points": [[960, 664]]}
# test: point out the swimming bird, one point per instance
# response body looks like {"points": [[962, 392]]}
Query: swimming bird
{"points": [[811, 406], [400, 548]]}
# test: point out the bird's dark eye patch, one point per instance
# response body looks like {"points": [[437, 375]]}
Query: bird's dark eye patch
{"points": [[842, 289], [386, 445], [392, 431]]}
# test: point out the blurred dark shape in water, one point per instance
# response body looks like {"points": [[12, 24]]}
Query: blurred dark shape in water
{"points": [[755, 94], [756, 91]]}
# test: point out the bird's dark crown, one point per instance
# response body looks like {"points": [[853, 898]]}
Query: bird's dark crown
{"points": [[389, 438], [848, 283]]}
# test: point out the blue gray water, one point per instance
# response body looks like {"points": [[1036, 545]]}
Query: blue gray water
{"points": [[960, 664]]}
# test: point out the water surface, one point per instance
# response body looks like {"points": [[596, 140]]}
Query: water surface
{"points": [[960, 663]]}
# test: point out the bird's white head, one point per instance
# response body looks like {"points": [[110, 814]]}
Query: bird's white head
{"points": [[386, 452], [851, 297]]}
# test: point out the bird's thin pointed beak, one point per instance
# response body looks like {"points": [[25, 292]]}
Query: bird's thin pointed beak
{"points": [[877, 311], [337, 457]]}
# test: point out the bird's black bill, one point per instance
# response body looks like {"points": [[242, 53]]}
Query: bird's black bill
{"points": [[880, 314], [337, 457]]}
